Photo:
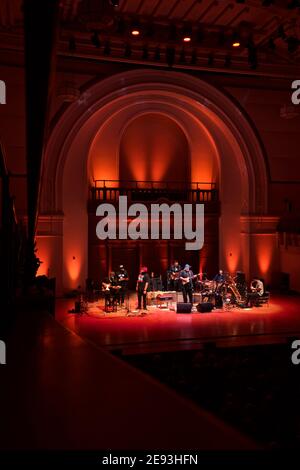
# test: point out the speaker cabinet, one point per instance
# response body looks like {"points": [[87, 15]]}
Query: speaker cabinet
{"points": [[205, 307], [184, 307]]}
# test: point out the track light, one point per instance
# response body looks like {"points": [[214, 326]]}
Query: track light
{"points": [[187, 33], [95, 39], [235, 40], [135, 28]]}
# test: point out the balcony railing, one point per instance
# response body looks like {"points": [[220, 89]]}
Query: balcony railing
{"points": [[152, 191]]}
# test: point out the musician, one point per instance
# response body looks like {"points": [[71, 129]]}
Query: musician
{"points": [[106, 289], [174, 273], [122, 279], [142, 287], [114, 288], [220, 277], [186, 277], [257, 291]]}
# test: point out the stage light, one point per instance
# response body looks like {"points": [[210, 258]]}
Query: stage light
{"points": [[135, 28], [187, 33], [95, 39], [115, 3], [235, 40]]}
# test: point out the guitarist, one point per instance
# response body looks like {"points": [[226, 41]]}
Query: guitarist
{"points": [[186, 277], [174, 273]]}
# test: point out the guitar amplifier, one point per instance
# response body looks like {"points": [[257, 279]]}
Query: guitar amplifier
{"points": [[183, 307], [205, 307]]}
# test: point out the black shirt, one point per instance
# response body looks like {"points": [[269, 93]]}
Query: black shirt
{"points": [[121, 275], [143, 279]]}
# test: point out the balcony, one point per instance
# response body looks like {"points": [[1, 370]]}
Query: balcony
{"points": [[148, 192]]}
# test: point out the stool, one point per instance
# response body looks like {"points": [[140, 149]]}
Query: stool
{"points": [[160, 299]]}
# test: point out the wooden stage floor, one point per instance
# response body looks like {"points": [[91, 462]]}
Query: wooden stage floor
{"points": [[165, 330]]}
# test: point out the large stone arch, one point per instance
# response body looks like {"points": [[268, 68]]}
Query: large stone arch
{"points": [[200, 110]]}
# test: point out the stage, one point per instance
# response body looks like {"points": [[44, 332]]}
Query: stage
{"points": [[164, 330]]}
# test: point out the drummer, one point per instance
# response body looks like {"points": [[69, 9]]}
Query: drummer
{"points": [[219, 278]]}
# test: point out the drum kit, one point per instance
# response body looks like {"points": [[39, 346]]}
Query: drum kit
{"points": [[223, 294]]}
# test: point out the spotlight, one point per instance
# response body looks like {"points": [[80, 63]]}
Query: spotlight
{"points": [[95, 39], [135, 28], [115, 3], [187, 33], [72, 44], [235, 40]]}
